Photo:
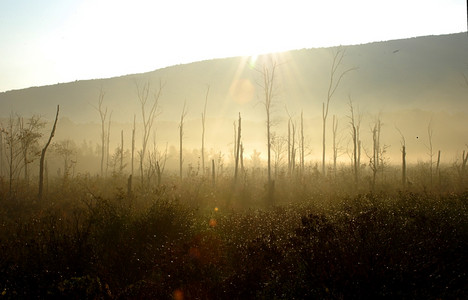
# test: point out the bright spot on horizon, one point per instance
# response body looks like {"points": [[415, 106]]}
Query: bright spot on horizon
{"points": [[52, 41]]}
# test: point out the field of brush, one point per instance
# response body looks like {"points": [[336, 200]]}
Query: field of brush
{"points": [[319, 238]]}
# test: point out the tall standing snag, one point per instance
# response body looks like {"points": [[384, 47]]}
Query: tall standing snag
{"points": [[430, 150], [302, 143], [376, 160], [181, 135], [355, 122], [148, 120], [335, 146], [403, 158], [335, 79], [268, 75], [203, 131], [238, 149], [43, 153], [103, 116]]}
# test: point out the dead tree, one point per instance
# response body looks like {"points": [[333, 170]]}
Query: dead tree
{"points": [[121, 151], [103, 115], [293, 148], [302, 143], [462, 169], [291, 144], [268, 76], [355, 123], [375, 160], [108, 142], [203, 131], [242, 157], [181, 135], [335, 146], [238, 149], [143, 93], [1, 152], [130, 177], [438, 167], [403, 159], [43, 153], [430, 150], [335, 78], [213, 173]]}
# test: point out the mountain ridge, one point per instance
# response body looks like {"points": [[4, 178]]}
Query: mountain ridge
{"points": [[408, 82], [409, 69]]}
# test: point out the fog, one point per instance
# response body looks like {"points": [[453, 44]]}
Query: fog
{"points": [[413, 86]]}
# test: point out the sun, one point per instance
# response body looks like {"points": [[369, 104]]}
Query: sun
{"points": [[253, 60]]}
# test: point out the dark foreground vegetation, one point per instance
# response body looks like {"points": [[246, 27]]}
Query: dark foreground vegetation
{"points": [[89, 239]]}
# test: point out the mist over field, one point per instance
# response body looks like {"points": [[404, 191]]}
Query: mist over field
{"points": [[408, 83], [217, 180]]}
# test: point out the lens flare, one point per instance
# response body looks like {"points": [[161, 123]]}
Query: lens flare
{"points": [[213, 223]]}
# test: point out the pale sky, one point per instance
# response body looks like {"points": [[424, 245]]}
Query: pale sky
{"points": [[55, 41]]}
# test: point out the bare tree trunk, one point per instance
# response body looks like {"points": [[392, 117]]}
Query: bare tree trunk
{"points": [[335, 79], [234, 149], [375, 158], [403, 158], [302, 143], [213, 172], [324, 123], [1, 153], [268, 77], [359, 154], [46, 177], [133, 146], [237, 153], [143, 94], [203, 131], [355, 156], [289, 146], [431, 151], [375, 152], [121, 150], [242, 157], [437, 167], [130, 177], [102, 115], [293, 148], [181, 134], [355, 124], [403, 165], [108, 142], [43, 153], [463, 167], [335, 149]]}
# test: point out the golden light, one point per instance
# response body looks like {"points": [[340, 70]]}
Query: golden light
{"points": [[253, 60], [212, 223], [242, 90], [178, 295]]}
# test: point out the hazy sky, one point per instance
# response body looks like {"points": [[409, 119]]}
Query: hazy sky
{"points": [[50, 41]]}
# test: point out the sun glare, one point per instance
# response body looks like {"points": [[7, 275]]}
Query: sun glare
{"points": [[253, 60]]}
